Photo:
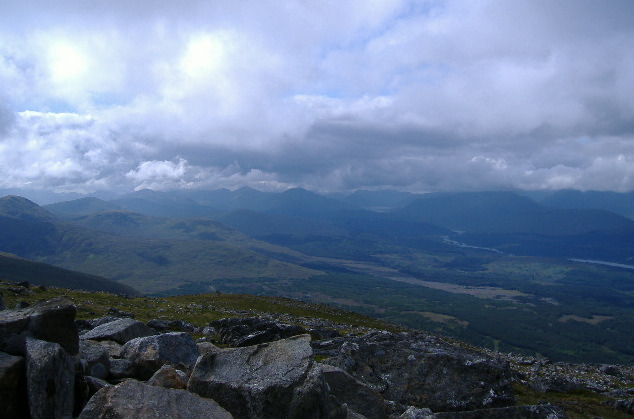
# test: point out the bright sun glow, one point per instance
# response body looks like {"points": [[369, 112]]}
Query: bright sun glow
{"points": [[66, 63], [204, 56]]}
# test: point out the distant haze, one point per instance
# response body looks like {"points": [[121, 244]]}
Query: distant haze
{"points": [[437, 95]]}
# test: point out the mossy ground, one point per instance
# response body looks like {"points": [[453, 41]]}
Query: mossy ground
{"points": [[197, 309], [582, 404]]}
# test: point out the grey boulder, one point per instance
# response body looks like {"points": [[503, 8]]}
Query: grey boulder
{"points": [[122, 368], [95, 359], [95, 384], [152, 352], [52, 321], [169, 377], [120, 331], [357, 396], [13, 387], [248, 331], [50, 374], [173, 325], [270, 380], [133, 399], [415, 369]]}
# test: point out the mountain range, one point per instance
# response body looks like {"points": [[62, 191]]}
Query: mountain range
{"points": [[149, 263], [453, 263], [618, 203], [505, 221]]}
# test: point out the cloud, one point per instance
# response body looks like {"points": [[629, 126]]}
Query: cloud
{"points": [[7, 120], [419, 95], [159, 175]]}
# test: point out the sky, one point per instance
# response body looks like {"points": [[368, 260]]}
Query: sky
{"points": [[329, 95]]}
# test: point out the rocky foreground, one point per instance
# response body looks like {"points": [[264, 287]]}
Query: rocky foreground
{"points": [[54, 366]]}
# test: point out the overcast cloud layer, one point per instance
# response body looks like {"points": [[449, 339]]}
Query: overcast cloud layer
{"points": [[327, 95]]}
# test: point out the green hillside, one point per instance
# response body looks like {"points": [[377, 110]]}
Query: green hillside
{"points": [[23, 209], [13, 268], [147, 264]]}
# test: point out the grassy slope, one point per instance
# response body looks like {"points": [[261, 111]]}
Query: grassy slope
{"points": [[13, 268], [153, 265], [125, 223]]}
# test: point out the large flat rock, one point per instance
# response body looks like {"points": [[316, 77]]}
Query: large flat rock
{"points": [[416, 369], [120, 331], [270, 380], [133, 399]]}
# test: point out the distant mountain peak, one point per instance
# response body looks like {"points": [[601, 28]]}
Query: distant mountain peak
{"points": [[19, 207], [82, 206]]}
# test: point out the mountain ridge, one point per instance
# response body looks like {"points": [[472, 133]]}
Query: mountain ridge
{"points": [[506, 212], [619, 203], [146, 264], [82, 206], [23, 209]]}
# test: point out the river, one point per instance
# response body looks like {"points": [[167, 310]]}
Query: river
{"points": [[603, 262]]}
